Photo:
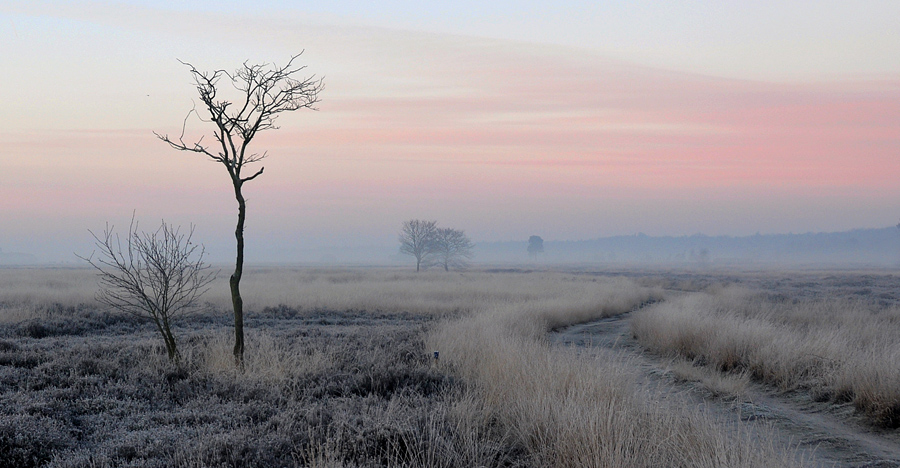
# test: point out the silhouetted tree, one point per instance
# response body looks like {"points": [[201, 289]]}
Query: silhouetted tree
{"points": [[451, 248], [158, 275], [416, 239], [263, 92], [535, 246]]}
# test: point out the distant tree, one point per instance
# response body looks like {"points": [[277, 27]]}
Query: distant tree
{"points": [[451, 248], [263, 92], [159, 275], [702, 256], [416, 238], [535, 246]]}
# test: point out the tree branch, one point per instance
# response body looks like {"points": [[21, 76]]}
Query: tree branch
{"points": [[246, 179]]}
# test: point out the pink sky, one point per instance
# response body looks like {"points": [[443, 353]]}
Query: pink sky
{"points": [[501, 138]]}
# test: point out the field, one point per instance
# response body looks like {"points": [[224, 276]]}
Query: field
{"points": [[842, 349], [339, 369]]}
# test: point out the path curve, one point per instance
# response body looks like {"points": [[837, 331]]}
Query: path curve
{"points": [[828, 434]]}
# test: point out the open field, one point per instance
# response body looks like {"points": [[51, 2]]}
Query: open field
{"points": [[339, 374]]}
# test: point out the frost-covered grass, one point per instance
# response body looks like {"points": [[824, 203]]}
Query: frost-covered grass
{"points": [[338, 373], [351, 389]]}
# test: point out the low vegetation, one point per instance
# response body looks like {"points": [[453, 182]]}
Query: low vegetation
{"points": [[338, 372], [569, 409], [156, 275], [838, 349], [321, 389]]}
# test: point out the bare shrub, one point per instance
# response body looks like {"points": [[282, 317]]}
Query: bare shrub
{"points": [[158, 275]]}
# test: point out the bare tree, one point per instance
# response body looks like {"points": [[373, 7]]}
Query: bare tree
{"points": [[263, 92], [416, 237], [158, 275], [451, 248]]}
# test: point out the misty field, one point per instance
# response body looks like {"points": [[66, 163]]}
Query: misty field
{"points": [[339, 371]]}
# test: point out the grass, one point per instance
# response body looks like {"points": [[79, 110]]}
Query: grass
{"points": [[572, 410], [728, 386], [339, 375], [357, 391], [837, 348]]}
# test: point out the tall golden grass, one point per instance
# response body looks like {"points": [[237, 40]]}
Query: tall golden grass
{"points": [[572, 410], [839, 349]]}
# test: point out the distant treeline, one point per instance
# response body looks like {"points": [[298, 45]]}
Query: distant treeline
{"points": [[13, 258], [856, 247]]}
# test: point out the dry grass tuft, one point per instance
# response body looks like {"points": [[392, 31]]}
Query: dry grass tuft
{"points": [[839, 349], [730, 386]]}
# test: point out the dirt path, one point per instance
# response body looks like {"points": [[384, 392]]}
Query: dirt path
{"points": [[826, 434]]}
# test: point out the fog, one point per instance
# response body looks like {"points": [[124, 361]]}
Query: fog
{"points": [[877, 247], [855, 248]]}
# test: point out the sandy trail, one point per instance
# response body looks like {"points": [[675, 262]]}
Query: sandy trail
{"points": [[826, 434]]}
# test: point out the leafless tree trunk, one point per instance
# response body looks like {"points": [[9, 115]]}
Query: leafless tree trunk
{"points": [[263, 92], [416, 237], [158, 275], [451, 248]]}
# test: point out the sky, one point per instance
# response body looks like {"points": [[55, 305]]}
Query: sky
{"points": [[506, 119]]}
